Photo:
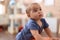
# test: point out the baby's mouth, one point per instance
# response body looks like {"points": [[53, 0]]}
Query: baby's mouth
{"points": [[40, 15]]}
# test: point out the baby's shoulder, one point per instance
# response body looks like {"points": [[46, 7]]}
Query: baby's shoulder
{"points": [[30, 22]]}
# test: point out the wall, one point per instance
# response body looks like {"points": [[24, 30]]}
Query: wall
{"points": [[55, 9]]}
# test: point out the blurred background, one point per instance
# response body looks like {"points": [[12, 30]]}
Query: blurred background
{"points": [[13, 17]]}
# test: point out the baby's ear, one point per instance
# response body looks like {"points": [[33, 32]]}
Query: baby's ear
{"points": [[28, 15]]}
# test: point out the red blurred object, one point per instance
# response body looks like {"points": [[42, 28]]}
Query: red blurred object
{"points": [[20, 28], [1, 30]]}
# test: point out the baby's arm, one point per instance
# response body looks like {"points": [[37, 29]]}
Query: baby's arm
{"points": [[36, 35], [48, 31]]}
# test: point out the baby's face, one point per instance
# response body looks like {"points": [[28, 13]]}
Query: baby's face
{"points": [[36, 12]]}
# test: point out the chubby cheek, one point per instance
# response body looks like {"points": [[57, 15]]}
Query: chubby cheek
{"points": [[35, 15]]}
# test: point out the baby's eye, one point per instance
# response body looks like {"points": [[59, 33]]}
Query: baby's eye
{"points": [[35, 10], [40, 9]]}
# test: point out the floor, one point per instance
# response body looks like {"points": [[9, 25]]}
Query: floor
{"points": [[6, 36]]}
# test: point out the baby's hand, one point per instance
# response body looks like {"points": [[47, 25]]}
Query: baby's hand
{"points": [[55, 38], [46, 38]]}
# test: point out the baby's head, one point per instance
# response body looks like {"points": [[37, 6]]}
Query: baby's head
{"points": [[34, 11]]}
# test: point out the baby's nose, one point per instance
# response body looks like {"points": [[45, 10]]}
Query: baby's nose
{"points": [[39, 12]]}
